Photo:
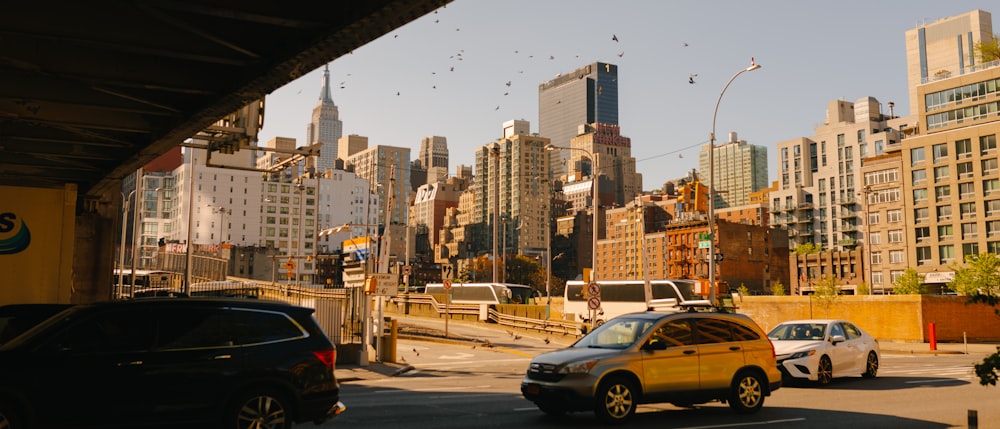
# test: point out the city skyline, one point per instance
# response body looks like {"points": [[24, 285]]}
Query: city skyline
{"points": [[447, 74]]}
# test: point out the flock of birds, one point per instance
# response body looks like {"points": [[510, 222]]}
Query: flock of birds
{"points": [[480, 343]]}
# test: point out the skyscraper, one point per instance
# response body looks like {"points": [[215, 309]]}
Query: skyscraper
{"points": [[740, 170], [433, 157], [325, 127], [586, 95]]}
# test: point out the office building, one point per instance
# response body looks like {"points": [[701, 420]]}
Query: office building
{"points": [[325, 127], [740, 170], [433, 158], [587, 95]]}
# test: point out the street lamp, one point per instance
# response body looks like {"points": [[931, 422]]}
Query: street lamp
{"points": [[300, 188], [593, 178], [222, 211], [121, 251], [711, 186]]}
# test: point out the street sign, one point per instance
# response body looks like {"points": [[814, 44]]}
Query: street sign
{"points": [[290, 265], [704, 244], [704, 236], [594, 290], [386, 284], [406, 270], [594, 303], [447, 284]]}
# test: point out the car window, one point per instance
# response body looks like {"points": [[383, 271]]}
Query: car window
{"points": [[616, 333], [215, 328], [108, 332], [674, 333], [255, 327], [743, 333], [835, 329], [713, 331], [851, 330]]}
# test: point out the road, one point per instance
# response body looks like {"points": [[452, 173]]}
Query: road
{"points": [[462, 385]]}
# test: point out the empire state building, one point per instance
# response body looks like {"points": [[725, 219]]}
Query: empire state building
{"points": [[325, 126]]}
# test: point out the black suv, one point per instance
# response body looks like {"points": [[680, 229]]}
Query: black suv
{"points": [[223, 363]]}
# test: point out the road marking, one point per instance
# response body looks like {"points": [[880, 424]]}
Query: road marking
{"points": [[932, 380], [434, 389], [737, 425], [457, 356], [526, 409]]}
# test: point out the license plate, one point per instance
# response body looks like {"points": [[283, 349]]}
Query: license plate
{"points": [[532, 389]]}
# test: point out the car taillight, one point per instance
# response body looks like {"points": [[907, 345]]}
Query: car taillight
{"points": [[773, 354], [328, 357]]}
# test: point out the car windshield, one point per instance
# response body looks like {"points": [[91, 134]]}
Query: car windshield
{"points": [[617, 333], [798, 332]]}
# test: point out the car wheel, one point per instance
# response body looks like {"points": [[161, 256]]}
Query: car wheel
{"points": [[258, 409], [746, 393], [616, 400], [871, 366], [824, 373]]}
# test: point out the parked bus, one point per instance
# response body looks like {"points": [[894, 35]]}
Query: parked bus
{"points": [[144, 279], [628, 296], [485, 293]]}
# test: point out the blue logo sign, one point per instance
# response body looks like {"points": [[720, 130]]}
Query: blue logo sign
{"points": [[19, 241]]}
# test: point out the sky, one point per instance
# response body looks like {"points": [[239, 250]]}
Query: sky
{"points": [[446, 73]]}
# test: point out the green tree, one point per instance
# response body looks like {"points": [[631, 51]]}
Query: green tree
{"points": [[910, 283], [777, 289], [864, 289], [826, 291], [522, 269], [988, 50], [743, 290], [806, 249], [980, 277], [988, 370]]}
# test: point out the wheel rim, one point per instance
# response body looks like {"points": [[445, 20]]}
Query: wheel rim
{"points": [[618, 401], [750, 392], [261, 412], [872, 364], [825, 373]]}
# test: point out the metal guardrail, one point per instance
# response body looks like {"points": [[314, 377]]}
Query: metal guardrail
{"points": [[550, 326]]}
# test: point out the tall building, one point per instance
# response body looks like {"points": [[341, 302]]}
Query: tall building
{"points": [[375, 165], [586, 95], [945, 48], [740, 170], [433, 157], [511, 184], [819, 177], [325, 127], [613, 153]]}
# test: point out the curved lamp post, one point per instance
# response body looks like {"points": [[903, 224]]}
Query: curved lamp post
{"points": [[711, 186], [593, 160]]}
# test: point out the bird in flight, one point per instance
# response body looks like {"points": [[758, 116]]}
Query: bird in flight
{"points": [[508, 83], [691, 78], [621, 54], [614, 37], [685, 44]]}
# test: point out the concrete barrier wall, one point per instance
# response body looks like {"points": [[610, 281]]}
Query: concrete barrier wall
{"points": [[902, 318]]}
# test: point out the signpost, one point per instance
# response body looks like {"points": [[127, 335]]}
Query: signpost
{"points": [[386, 284], [593, 302], [446, 283]]}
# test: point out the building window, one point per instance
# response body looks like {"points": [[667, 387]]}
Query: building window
{"points": [[993, 228], [875, 238], [896, 236], [894, 216], [941, 173], [989, 166], [919, 196], [965, 170], [967, 210], [967, 190], [876, 258], [920, 176], [894, 275], [970, 248], [990, 186], [940, 152], [895, 256], [987, 144], [963, 149], [916, 156], [873, 218], [970, 231], [877, 278], [992, 208], [922, 233], [945, 232], [921, 215], [943, 213], [942, 193], [946, 254], [923, 255]]}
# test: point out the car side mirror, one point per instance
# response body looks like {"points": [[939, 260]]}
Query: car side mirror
{"points": [[655, 345], [837, 339]]}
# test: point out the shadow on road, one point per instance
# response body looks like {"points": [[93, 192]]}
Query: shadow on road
{"points": [[876, 384]]}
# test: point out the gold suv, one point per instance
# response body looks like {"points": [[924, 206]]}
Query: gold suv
{"points": [[681, 357]]}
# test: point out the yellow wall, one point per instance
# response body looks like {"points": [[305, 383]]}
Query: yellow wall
{"points": [[36, 238]]}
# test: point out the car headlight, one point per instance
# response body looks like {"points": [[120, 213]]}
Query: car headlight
{"points": [[802, 354], [578, 367]]}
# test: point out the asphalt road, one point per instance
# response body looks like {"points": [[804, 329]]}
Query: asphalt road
{"points": [[463, 384]]}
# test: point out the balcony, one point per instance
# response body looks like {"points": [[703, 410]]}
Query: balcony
{"points": [[805, 206], [848, 242], [848, 201], [805, 219]]}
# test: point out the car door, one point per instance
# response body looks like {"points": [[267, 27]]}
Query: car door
{"points": [[193, 365], [856, 345], [843, 354], [96, 365], [721, 356], [673, 365]]}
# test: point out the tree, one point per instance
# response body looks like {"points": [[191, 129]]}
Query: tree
{"points": [[864, 289], [826, 292], [777, 289], [980, 277], [988, 370], [988, 50], [910, 283], [806, 249], [743, 289]]}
